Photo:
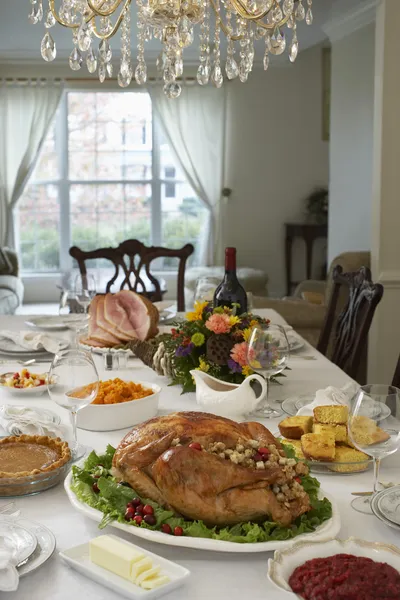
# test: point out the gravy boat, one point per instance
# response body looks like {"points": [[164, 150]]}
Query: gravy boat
{"points": [[227, 399]]}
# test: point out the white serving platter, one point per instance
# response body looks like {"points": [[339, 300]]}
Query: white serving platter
{"points": [[78, 558], [326, 531]]}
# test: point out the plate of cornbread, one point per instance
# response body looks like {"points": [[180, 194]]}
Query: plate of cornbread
{"points": [[322, 440]]}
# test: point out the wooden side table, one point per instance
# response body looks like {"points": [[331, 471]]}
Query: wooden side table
{"points": [[309, 232]]}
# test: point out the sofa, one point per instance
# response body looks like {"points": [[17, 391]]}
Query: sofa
{"points": [[305, 311], [11, 286]]}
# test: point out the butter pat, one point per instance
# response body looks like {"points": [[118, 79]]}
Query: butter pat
{"points": [[151, 584], [117, 557], [141, 566]]}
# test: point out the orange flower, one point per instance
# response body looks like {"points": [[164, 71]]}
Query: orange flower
{"points": [[219, 323]]}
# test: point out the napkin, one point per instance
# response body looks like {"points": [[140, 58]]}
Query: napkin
{"points": [[9, 578], [32, 340], [18, 420], [330, 395], [292, 336]]}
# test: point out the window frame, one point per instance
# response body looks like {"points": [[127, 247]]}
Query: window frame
{"points": [[63, 182]]}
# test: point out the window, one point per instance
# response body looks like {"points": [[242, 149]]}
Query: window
{"points": [[105, 174]]}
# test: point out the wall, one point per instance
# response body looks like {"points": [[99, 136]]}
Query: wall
{"points": [[275, 157], [351, 148]]}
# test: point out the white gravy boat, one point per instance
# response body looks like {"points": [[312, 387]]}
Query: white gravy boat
{"points": [[227, 399]]}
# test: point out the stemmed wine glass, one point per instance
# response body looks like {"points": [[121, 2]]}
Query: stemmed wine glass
{"points": [[268, 354], [73, 320], [374, 428], [205, 289], [85, 290], [76, 385]]}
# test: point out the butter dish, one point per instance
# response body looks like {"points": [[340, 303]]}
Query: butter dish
{"points": [[78, 558]]}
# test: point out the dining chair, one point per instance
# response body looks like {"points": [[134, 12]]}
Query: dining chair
{"points": [[132, 261], [396, 376], [345, 332]]}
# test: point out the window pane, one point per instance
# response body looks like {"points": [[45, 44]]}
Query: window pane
{"points": [[105, 215], [169, 167], [37, 220], [183, 218], [110, 136]]}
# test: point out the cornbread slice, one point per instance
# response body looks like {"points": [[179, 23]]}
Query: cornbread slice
{"points": [[294, 427], [349, 455], [296, 445], [339, 431], [317, 446], [331, 415], [366, 432]]}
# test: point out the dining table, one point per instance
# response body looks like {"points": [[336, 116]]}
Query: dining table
{"points": [[214, 575]]}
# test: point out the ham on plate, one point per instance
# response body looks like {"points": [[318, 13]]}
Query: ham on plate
{"points": [[118, 318]]}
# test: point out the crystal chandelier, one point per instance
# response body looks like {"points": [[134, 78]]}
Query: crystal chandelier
{"points": [[172, 22]]}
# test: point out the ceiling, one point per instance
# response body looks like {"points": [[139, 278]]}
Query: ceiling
{"points": [[20, 40]]}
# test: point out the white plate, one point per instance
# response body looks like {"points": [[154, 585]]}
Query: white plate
{"points": [[388, 504], [16, 538], [78, 558], [50, 323], [327, 530], [285, 562], [296, 345], [46, 544], [292, 405], [30, 391]]}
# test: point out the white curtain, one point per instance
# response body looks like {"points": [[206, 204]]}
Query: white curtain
{"points": [[194, 125], [26, 112]]}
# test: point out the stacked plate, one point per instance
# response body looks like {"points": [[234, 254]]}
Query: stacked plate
{"points": [[28, 544], [12, 350], [386, 506]]}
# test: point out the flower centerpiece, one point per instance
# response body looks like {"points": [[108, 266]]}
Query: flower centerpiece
{"points": [[214, 340]]}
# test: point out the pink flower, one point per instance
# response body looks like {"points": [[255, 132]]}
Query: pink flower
{"points": [[219, 323], [239, 353]]}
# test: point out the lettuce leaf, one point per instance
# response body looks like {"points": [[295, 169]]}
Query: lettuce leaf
{"points": [[114, 496]]}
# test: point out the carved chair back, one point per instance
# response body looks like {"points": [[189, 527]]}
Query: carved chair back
{"points": [[347, 332], [132, 260]]}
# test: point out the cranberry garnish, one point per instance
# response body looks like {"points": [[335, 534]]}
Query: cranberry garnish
{"points": [[150, 519], [136, 501], [178, 531], [138, 519], [129, 513], [139, 509], [42, 381], [148, 510], [263, 450], [165, 528], [257, 457], [27, 375], [297, 479], [95, 488], [195, 446], [16, 376]]}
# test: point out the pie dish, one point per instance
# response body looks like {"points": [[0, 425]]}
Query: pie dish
{"points": [[30, 464], [26, 455]]}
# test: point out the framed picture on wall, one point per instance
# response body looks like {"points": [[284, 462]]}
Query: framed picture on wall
{"points": [[326, 92]]}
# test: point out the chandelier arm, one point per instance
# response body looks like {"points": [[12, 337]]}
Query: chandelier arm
{"points": [[115, 28], [224, 28], [241, 8], [59, 19], [103, 13]]}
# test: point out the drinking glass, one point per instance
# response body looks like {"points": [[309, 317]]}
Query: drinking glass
{"points": [[205, 289], [268, 354], [374, 428], [74, 321], [85, 290], [76, 385]]}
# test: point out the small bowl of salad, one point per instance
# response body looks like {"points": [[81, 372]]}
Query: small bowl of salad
{"points": [[25, 383]]}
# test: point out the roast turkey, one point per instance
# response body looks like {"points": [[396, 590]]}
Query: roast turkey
{"points": [[206, 467], [119, 318]]}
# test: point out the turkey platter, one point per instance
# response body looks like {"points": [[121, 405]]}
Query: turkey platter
{"points": [[212, 469]]}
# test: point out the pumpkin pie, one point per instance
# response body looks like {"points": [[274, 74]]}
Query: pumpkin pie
{"points": [[30, 455]]}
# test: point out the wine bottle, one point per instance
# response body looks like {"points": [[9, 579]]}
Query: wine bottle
{"points": [[230, 291]]}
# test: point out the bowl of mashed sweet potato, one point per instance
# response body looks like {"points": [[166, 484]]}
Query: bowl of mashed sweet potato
{"points": [[120, 403]]}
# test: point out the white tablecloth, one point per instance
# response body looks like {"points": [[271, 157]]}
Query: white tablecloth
{"points": [[215, 576]]}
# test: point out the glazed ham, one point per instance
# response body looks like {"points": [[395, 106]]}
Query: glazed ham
{"points": [[118, 318], [201, 466]]}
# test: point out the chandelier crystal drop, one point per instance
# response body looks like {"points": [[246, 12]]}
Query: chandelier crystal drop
{"points": [[177, 24]]}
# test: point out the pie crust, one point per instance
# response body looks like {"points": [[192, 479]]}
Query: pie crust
{"points": [[30, 455]]}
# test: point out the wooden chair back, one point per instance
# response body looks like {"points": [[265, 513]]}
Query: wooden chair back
{"points": [[396, 376], [131, 260], [347, 332]]}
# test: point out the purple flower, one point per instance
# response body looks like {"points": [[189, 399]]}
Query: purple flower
{"points": [[234, 366], [183, 351]]}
